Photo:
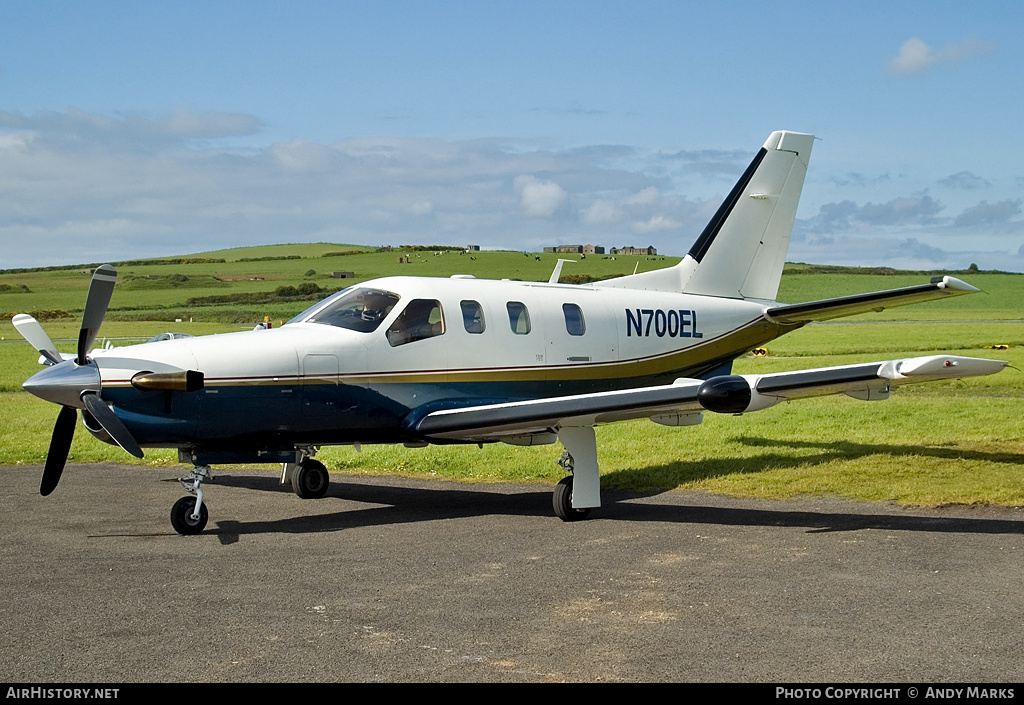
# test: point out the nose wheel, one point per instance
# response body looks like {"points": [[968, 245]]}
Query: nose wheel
{"points": [[184, 518], [189, 514]]}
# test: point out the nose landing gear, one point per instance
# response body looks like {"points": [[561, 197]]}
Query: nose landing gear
{"points": [[189, 515], [184, 518]]}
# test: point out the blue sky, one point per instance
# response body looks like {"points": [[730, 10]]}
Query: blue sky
{"points": [[133, 129]]}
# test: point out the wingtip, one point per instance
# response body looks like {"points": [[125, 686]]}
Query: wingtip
{"points": [[958, 285]]}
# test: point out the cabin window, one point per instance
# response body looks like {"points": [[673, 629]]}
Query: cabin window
{"points": [[358, 309], [472, 317], [421, 319], [518, 317], [574, 319]]}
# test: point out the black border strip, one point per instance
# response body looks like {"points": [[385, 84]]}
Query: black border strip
{"points": [[817, 378], [714, 226], [789, 312], [551, 410]]}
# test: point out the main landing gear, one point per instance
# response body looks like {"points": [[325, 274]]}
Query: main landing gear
{"points": [[578, 493], [310, 479], [562, 498]]}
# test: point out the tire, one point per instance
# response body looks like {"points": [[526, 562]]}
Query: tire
{"points": [[562, 502], [181, 517], [311, 479]]}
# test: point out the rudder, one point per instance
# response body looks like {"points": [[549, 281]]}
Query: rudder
{"points": [[741, 252]]}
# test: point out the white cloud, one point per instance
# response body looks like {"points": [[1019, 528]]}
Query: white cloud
{"points": [[964, 180], [882, 249], [656, 224], [986, 212], [540, 199], [645, 197], [421, 208], [601, 212], [900, 210], [138, 186], [915, 56], [88, 188]]}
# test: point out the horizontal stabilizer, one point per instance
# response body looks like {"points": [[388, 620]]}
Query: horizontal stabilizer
{"points": [[938, 288]]}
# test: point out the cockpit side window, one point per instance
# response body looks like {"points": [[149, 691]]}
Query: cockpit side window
{"points": [[421, 319], [472, 317], [518, 317], [358, 309]]}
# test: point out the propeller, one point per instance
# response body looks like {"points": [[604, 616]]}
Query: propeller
{"points": [[60, 446], [74, 383], [106, 418], [33, 332], [100, 290]]}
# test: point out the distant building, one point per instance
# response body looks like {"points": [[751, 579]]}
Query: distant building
{"points": [[472, 248], [576, 249], [343, 275], [633, 250]]}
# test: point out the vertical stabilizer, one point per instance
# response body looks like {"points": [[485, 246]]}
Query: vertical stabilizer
{"points": [[741, 252]]}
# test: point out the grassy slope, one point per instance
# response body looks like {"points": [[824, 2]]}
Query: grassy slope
{"points": [[931, 444]]}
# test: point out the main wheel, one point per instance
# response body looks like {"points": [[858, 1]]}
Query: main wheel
{"points": [[311, 480], [562, 501], [181, 517]]}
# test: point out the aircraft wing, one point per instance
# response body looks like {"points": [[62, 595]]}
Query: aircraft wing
{"points": [[937, 288], [681, 403], [496, 421]]}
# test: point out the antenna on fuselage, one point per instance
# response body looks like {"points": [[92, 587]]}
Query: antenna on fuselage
{"points": [[553, 279]]}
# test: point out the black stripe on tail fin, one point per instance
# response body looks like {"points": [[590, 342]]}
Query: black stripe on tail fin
{"points": [[711, 230]]}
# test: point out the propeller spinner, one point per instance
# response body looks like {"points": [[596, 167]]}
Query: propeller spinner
{"points": [[75, 383]]}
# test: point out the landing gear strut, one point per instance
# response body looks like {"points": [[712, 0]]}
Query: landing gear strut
{"points": [[561, 500], [189, 515], [578, 493]]}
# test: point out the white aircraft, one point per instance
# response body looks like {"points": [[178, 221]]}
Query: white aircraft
{"points": [[463, 360]]}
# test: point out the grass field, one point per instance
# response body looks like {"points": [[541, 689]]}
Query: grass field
{"points": [[950, 442]]}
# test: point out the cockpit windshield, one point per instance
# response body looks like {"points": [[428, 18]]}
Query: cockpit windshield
{"points": [[359, 309]]}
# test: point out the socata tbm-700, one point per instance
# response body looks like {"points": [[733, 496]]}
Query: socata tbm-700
{"points": [[463, 360]]}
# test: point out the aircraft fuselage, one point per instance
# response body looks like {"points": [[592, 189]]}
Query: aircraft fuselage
{"points": [[483, 341]]}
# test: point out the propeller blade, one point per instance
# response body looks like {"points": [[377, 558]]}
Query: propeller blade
{"points": [[106, 418], [35, 335], [60, 446], [100, 290]]}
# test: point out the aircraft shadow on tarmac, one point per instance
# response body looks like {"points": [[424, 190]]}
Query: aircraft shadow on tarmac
{"points": [[398, 505]]}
